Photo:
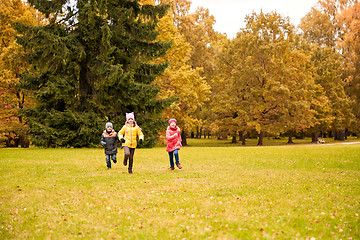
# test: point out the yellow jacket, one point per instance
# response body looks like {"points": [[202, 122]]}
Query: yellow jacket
{"points": [[130, 135]]}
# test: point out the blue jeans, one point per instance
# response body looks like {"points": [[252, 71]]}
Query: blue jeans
{"points": [[171, 157], [107, 157]]}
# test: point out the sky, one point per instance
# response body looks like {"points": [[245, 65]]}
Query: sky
{"points": [[230, 14]]}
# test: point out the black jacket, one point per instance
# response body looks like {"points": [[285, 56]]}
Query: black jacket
{"points": [[109, 141]]}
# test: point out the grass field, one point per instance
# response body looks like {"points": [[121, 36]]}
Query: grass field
{"points": [[274, 192]]}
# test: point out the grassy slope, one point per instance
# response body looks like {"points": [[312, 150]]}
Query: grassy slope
{"points": [[282, 192]]}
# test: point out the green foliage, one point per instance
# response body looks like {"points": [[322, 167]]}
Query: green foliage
{"points": [[91, 65], [297, 192], [71, 129]]}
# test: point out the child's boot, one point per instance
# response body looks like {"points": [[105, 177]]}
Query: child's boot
{"points": [[179, 165]]}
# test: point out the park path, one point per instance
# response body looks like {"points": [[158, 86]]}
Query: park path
{"points": [[345, 143]]}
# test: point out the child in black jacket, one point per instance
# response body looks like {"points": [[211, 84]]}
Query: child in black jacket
{"points": [[109, 140]]}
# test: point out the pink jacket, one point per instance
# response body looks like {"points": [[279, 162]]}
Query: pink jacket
{"points": [[173, 139]]}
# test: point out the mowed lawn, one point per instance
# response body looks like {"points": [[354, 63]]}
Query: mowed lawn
{"points": [[276, 192]]}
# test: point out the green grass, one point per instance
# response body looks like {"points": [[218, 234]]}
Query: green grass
{"points": [[213, 142], [274, 192]]}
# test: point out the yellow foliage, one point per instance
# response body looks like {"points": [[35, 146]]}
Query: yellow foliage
{"points": [[13, 62], [180, 80]]}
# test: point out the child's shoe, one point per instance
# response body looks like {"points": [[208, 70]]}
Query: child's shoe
{"points": [[130, 171], [114, 160], [171, 168], [179, 165]]}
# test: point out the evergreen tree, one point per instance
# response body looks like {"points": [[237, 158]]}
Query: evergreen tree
{"points": [[91, 65]]}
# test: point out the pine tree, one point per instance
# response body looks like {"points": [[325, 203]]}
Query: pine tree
{"points": [[91, 65]]}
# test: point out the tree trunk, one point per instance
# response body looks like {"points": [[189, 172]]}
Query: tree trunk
{"points": [[24, 142], [183, 138], [330, 134], [261, 139], [314, 137], [340, 135], [347, 133], [234, 138], [197, 132], [242, 138], [205, 132], [290, 141], [302, 135], [84, 85]]}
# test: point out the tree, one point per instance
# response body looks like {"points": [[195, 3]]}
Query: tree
{"points": [[350, 47], [92, 65], [325, 28], [197, 29], [180, 80], [320, 26], [267, 82], [329, 66], [13, 62]]}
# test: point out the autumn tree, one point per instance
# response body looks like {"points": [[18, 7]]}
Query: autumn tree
{"points": [[267, 84], [91, 65], [325, 28], [198, 30], [13, 62], [336, 114], [180, 81], [203, 38], [320, 25], [349, 45]]}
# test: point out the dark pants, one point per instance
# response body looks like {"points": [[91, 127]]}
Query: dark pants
{"points": [[129, 154], [171, 157], [108, 161]]}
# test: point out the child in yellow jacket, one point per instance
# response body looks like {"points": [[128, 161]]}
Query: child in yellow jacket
{"points": [[127, 135]]}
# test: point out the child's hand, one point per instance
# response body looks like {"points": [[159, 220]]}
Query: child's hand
{"points": [[103, 143], [141, 141]]}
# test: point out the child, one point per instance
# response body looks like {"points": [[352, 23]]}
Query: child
{"points": [[173, 145], [131, 130], [109, 140]]}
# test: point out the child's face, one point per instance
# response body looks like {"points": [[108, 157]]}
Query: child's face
{"points": [[131, 121], [173, 124], [109, 129]]}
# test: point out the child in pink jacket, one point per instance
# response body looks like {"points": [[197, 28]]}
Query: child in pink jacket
{"points": [[173, 145]]}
